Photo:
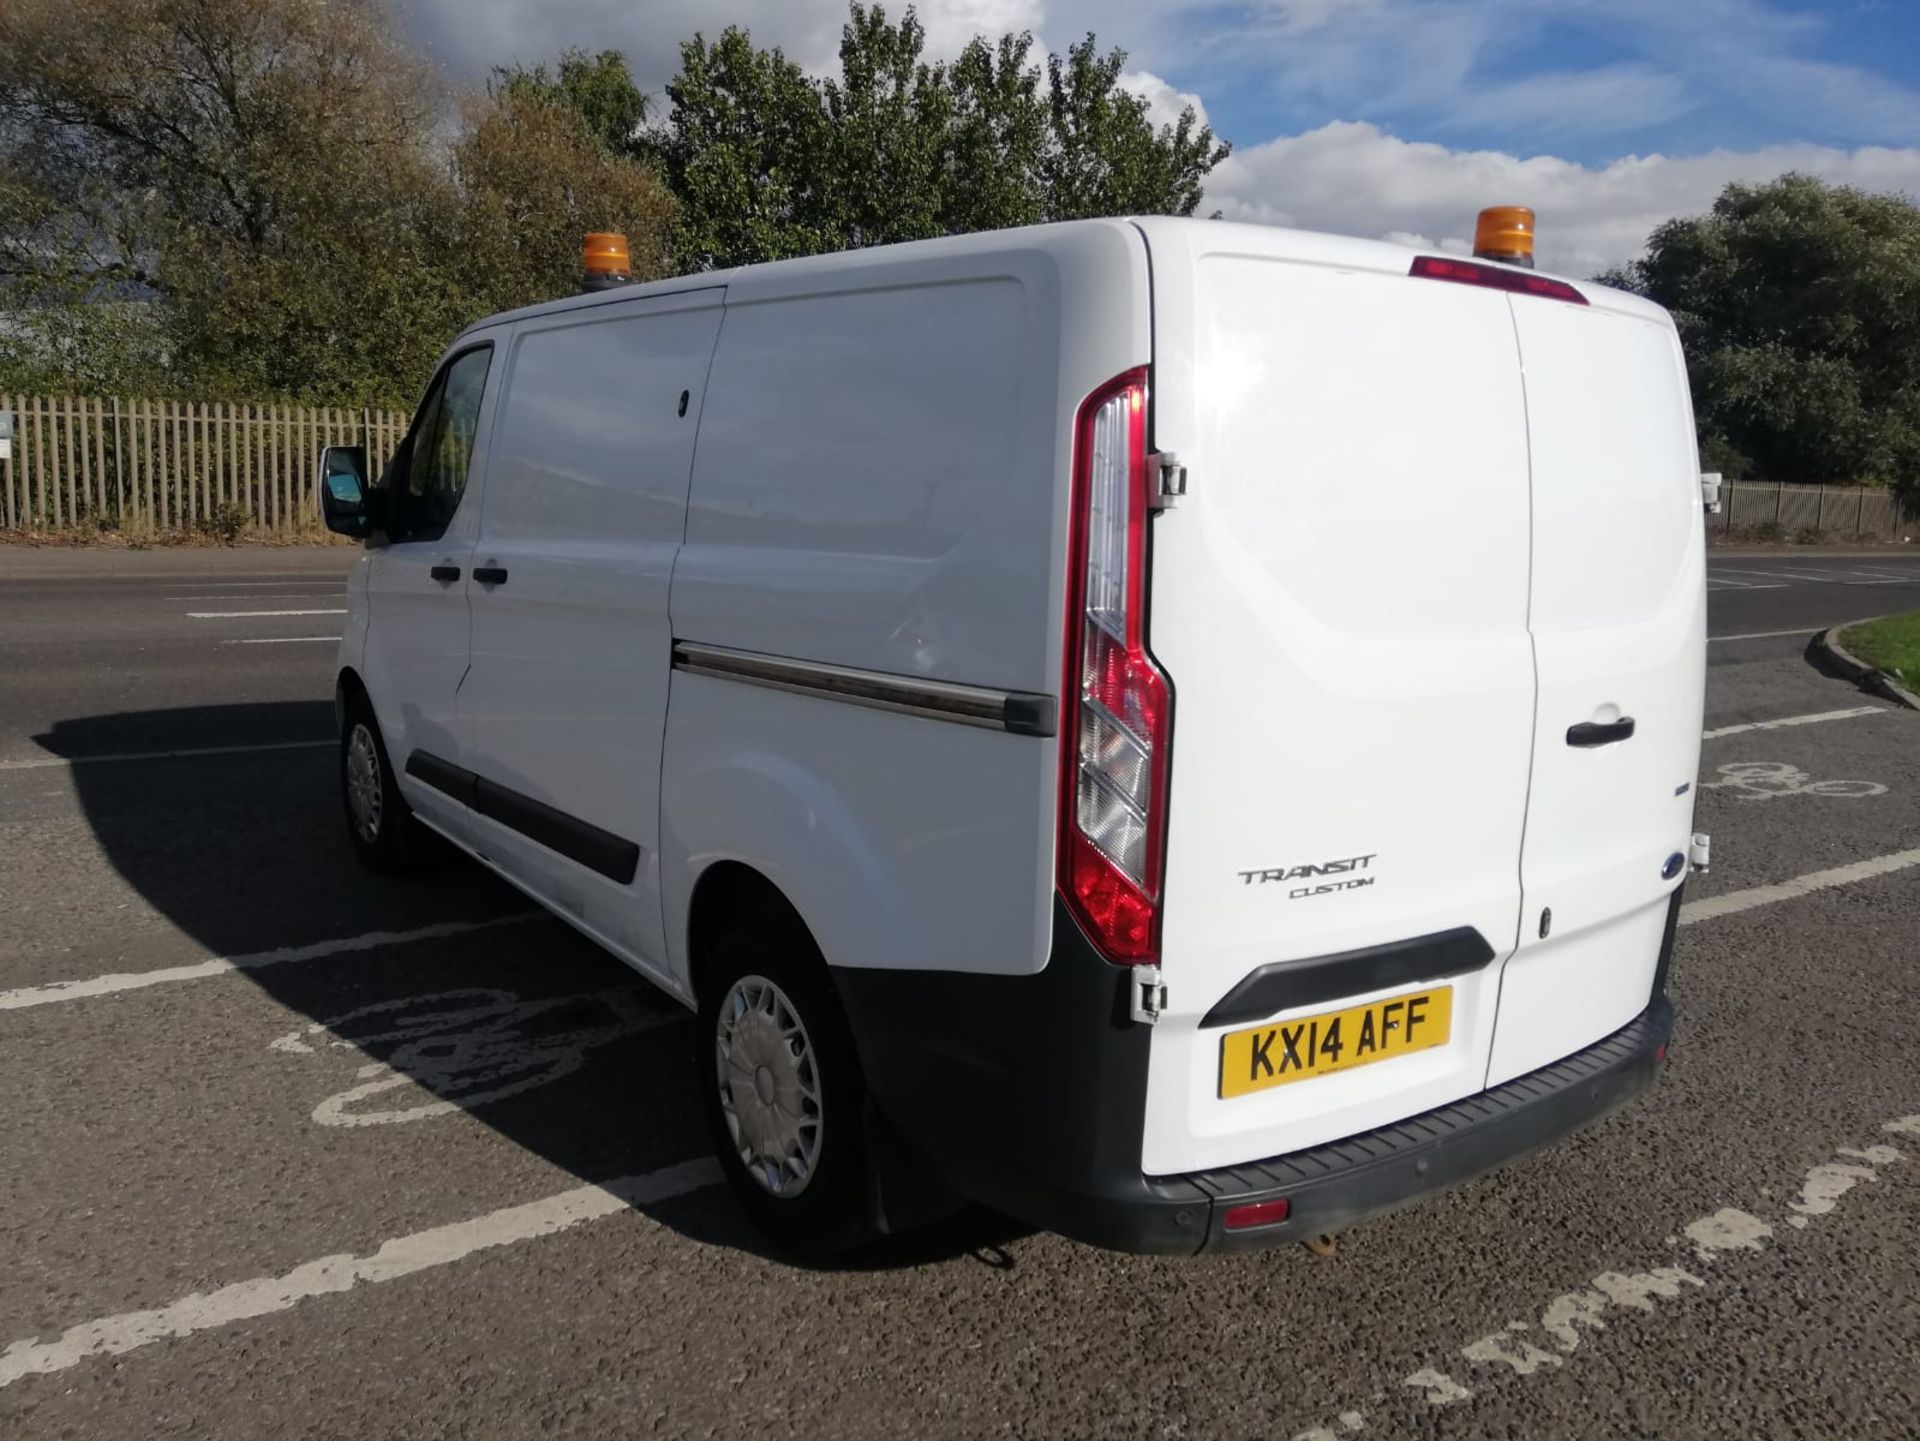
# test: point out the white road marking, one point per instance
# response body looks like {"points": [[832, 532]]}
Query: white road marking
{"points": [[56, 991], [1713, 584], [50, 762], [1766, 634], [308, 596], [1727, 1230], [330, 1275], [255, 614], [1825, 1185], [465, 1048], [1568, 1322], [1693, 912], [283, 640], [1766, 780], [1793, 720]]}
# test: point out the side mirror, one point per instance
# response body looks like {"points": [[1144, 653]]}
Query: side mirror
{"points": [[344, 493]]}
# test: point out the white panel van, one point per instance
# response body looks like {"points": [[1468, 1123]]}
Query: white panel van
{"points": [[1183, 732]]}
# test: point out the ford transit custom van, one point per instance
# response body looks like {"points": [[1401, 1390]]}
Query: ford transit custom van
{"points": [[1183, 732]]}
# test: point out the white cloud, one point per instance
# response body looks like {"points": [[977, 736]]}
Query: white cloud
{"points": [[1357, 180], [1164, 103]]}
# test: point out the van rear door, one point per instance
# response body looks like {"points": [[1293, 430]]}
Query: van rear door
{"points": [[1340, 602], [1618, 618]]}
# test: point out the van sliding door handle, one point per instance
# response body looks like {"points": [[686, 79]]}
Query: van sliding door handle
{"points": [[445, 573], [1587, 733], [490, 574]]}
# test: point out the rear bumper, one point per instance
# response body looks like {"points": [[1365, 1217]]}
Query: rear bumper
{"points": [[1028, 1093], [1332, 1186]]}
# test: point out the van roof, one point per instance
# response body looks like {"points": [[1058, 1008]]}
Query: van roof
{"points": [[1215, 236]]}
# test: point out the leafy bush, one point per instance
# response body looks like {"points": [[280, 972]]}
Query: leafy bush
{"points": [[225, 523]]}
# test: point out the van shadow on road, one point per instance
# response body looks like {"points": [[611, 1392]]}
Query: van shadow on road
{"points": [[530, 1028]]}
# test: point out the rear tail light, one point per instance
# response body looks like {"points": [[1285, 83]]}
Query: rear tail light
{"points": [[1494, 277], [1114, 745]]}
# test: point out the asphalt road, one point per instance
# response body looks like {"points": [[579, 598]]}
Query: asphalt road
{"points": [[307, 1153], [1765, 603]]}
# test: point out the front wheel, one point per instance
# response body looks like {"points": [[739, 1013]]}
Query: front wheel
{"points": [[385, 835], [784, 1095]]}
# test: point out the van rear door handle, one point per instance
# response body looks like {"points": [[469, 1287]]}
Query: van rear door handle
{"points": [[1587, 733], [445, 572], [490, 574]]}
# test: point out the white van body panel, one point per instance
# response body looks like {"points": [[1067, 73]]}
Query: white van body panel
{"points": [[1619, 617], [1341, 600], [566, 694], [414, 668], [918, 533]]}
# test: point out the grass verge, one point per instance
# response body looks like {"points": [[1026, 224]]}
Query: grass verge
{"points": [[1891, 645]]}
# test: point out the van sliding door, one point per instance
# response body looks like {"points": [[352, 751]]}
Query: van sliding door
{"points": [[585, 510]]}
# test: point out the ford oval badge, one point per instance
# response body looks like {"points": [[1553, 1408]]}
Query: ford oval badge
{"points": [[1673, 866]]}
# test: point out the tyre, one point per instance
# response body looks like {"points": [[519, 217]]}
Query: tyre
{"points": [[385, 835], [782, 1087]]}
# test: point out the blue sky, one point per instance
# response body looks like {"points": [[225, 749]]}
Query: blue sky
{"points": [[1396, 118], [1588, 81]]}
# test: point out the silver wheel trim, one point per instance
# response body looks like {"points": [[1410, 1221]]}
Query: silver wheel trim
{"points": [[769, 1086], [364, 798]]}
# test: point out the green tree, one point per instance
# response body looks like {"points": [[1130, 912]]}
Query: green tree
{"points": [[249, 171], [599, 87], [1798, 303], [997, 143], [766, 162], [1104, 156], [257, 198], [533, 176], [745, 151]]}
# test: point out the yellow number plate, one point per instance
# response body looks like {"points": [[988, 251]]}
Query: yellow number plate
{"points": [[1334, 1041]]}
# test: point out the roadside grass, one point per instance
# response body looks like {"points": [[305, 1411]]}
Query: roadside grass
{"points": [[1891, 645]]}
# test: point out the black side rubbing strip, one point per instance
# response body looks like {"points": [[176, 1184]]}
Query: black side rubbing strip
{"points": [[611, 856], [443, 776], [597, 850], [1282, 985]]}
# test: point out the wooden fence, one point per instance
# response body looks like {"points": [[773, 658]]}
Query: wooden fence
{"points": [[146, 466], [1828, 511]]}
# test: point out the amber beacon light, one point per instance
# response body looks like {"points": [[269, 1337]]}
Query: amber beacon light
{"points": [[603, 261], [1505, 232]]}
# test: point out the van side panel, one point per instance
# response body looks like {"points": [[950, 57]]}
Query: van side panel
{"points": [[873, 478], [880, 485]]}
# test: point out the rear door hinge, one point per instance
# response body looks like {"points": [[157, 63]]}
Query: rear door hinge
{"points": [[1148, 999], [1169, 474]]}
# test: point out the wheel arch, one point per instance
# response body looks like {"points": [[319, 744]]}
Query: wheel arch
{"points": [[346, 686], [723, 890]]}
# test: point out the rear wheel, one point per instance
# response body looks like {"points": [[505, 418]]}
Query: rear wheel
{"points": [[784, 1095], [385, 835]]}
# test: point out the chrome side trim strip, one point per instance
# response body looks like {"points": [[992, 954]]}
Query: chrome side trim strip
{"points": [[1016, 712]]}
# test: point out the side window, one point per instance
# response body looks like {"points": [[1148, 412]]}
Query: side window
{"points": [[440, 449]]}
